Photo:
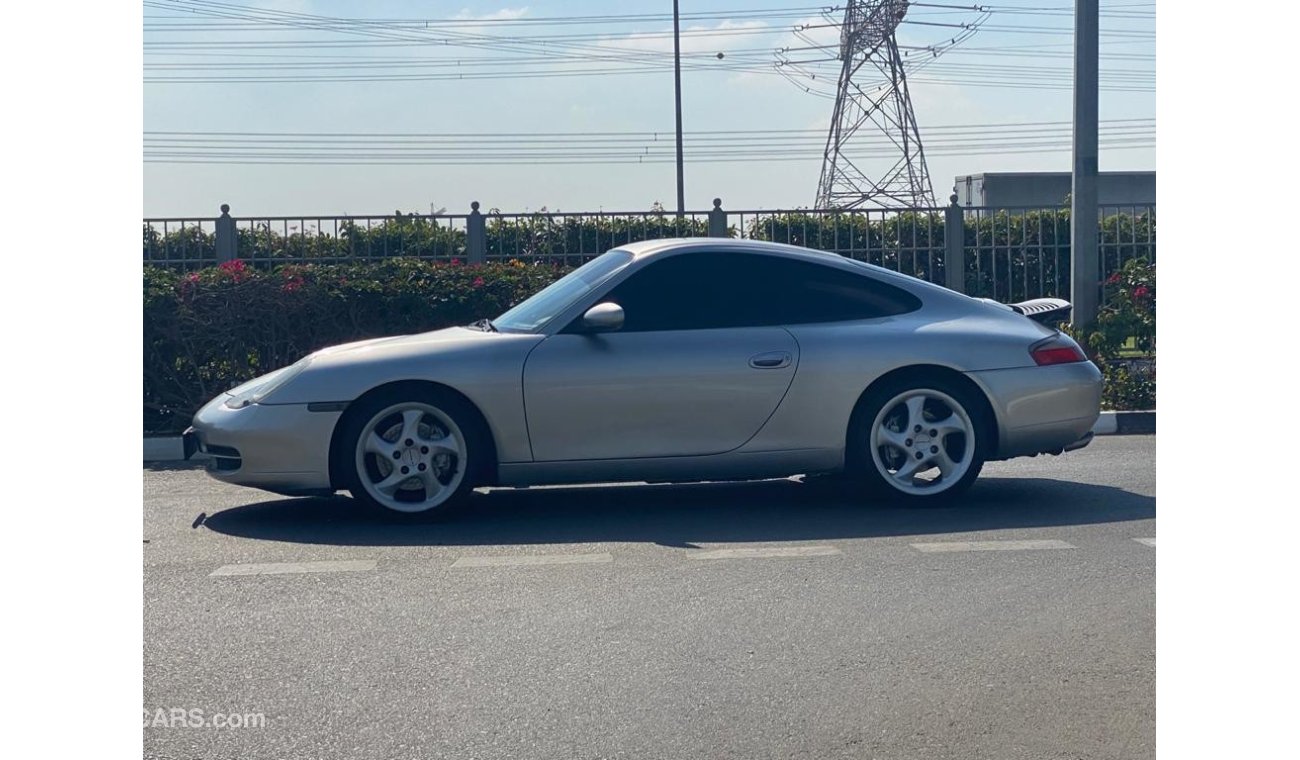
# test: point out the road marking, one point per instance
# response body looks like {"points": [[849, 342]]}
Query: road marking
{"points": [[992, 546], [281, 568], [757, 552], [1148, 541], [534, 559]]}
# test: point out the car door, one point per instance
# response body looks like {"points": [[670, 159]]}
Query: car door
{"points": [[694, 370]]}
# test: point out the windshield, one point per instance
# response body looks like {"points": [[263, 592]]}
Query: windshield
{"points": [[559, 295]]}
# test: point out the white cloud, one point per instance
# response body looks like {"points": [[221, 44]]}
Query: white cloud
{"points": [[695, 39], [505, 14]]}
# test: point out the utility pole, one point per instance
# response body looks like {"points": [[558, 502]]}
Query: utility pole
{"points": [[677, 77], [1085, 267]]}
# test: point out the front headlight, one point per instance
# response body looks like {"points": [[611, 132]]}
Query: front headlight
{"points": [[257, 389]]}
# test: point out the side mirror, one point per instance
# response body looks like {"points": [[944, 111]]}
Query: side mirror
{"points": [[603, 317]]}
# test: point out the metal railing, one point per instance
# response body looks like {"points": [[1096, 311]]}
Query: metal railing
{"points": [[1007, 254]]}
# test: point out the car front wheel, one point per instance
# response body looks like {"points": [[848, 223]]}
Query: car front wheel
{"points": [[410, 454]]}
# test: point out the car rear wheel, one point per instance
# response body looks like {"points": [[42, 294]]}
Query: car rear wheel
{"points": [[410, 454], [918, 441]]}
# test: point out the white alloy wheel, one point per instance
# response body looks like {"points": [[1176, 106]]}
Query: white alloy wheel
{"points": [[922, 442], [410, 457]]}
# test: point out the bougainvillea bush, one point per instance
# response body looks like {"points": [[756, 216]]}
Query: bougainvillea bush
{"points": [[1122, 342], [209, 330]]}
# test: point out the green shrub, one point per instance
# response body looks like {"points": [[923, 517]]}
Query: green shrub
{"points": [[208, 330], [189, 243], [529, 237], [1009, 256], [577, 238], [1122, 342], [902, 241]]}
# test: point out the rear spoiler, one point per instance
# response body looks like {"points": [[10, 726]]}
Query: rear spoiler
{"points": [[1048, 311]]}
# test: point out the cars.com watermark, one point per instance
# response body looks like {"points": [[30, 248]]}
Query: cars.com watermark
{"points": [[183, 717]]}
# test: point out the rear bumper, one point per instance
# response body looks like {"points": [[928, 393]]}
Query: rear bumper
{"points": [[1043, 409], [1084, 441], [277, 447]]}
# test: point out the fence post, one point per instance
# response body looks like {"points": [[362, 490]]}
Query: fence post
{"points": [[476, 236], [717, 220], [954, 240], [226, 236]]}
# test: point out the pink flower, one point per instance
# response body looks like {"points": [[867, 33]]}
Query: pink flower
{"points": [[455, 262], [236, 268], [1113, 279], [1141, 291], [478, 282], [192, 277]]}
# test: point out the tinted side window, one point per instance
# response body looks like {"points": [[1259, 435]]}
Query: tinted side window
{"points": [[697, 291], [824, 294], [692, 291]]}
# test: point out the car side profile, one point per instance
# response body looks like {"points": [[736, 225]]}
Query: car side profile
{"points": [[671, 360]]}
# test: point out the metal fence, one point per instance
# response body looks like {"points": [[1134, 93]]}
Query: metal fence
{"points": [[1006, 254]]}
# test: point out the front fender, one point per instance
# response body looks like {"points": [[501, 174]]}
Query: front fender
{"points": [[487, 372]]}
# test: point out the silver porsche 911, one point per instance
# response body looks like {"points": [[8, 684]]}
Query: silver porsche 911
{"points": [[671, 360]]}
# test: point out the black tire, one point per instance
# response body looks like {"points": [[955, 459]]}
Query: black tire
{"points": [[474, 460], [866, 472]]}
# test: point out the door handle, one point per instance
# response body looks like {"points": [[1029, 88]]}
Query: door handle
{"points": [[770, 360]]}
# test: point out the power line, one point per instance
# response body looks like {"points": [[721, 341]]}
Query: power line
{"points": [[606, 146], [581, 159], [526, 48], [936, 128], [726, 14], [947, 131], [559, 56]]}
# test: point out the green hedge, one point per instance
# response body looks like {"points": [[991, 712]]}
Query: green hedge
{"points": [[209, 330], [572, 238], [206, 331], [1009, 256], [1122, 342]]}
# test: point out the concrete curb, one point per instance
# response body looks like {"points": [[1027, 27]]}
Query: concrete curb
{"points": [[164, 449], [170, 449], [1126, 423]]}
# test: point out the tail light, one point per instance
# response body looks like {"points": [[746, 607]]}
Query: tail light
{"points": [[1057, 351]]}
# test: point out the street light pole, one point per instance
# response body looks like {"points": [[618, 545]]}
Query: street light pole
{"points": [[677, 77], [1085, 266]]}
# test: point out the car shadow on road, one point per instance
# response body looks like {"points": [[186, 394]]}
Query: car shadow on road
{"points": [[685, 515]]}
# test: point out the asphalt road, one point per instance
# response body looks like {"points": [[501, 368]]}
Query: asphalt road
{"points": [[1019, 624]]}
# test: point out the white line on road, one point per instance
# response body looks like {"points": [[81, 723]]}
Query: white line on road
{"points": [[992, 546], [281, 568], [758, 552], [1148, 541], [1107, 424], [534, 559]]}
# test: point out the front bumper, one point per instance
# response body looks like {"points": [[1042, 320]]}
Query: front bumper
{"points": [[277, 447], [190, 442]]}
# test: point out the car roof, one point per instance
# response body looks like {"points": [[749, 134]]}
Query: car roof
{"points": [[648, 248]]}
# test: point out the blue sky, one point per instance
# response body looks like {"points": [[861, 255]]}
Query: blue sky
{"points": [[1012, 70]]}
